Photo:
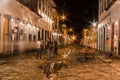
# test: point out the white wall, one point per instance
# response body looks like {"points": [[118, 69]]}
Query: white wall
{"points": [[23, 13]]}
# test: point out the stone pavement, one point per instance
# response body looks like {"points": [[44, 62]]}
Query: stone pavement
{"points": [[104, 59], [27, 67]]}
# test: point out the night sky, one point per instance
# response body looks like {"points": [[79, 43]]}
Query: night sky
{"points": [[79, 12]]}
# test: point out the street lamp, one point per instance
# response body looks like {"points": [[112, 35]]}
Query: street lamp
{"points": [[70, 29], [73, 38], [94, 23], [94, 36], [63, 17]]}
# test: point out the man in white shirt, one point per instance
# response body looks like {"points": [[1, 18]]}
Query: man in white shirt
{"points": [[39, 45]]}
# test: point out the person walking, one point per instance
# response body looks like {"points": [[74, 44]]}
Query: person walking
{"points": [[39, 45], [48, 47], [42, 46], [55, 47]]}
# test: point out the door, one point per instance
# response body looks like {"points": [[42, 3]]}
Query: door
{"points": [[15, 41], [119, 40], [6, 36], [112, 39]]}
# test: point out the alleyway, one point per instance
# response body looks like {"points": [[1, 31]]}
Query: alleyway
{"points": [[27, 67]]}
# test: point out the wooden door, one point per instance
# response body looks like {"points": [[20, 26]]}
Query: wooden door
{"points": [[112, 39], [5, 36]]}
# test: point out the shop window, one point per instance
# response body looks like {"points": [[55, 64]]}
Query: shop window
{"points": [[34, 38], [30, 37]]}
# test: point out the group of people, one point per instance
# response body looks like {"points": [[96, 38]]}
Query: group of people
{"points": [[48, 46]]}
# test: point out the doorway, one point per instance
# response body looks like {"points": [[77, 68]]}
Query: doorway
{"points": [[6, 36]]}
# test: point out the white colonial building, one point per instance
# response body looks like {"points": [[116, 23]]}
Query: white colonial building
{"points": [[109, 25], [20, 26]]}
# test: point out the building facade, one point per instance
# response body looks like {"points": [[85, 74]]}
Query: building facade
{"points": [[84, 37], [109, 25], [21, 26]]}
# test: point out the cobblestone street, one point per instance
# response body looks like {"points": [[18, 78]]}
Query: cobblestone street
{"points": [[27, 67]]}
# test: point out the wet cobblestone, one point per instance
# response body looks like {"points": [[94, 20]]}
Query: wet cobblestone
{"points": [[26, 67]]}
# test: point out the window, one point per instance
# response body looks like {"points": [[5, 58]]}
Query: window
{"points": [[43, 5], [38, 34], [43, 9], [42, 34], [46, 12], [40, 4], [102, 6], [30, 37], [34, 38], [25, 36]]}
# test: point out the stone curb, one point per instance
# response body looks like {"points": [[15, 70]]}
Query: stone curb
{"points": [[106, 60]]}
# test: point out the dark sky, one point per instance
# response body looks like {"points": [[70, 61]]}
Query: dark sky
{"points": [[80, 12]]}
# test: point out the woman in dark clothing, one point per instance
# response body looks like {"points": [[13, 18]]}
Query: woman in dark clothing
{"points": [[55, 47]]}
